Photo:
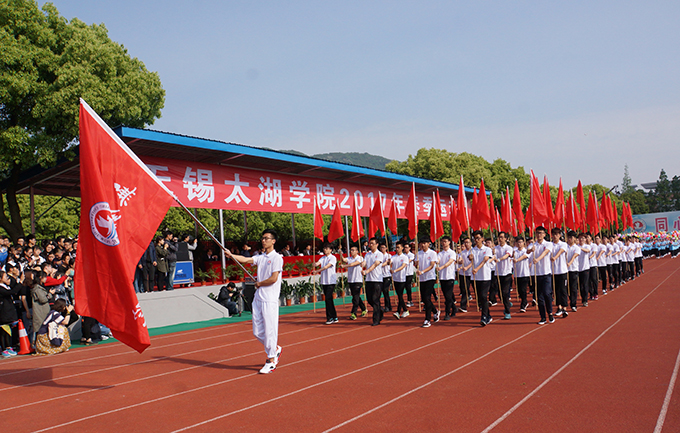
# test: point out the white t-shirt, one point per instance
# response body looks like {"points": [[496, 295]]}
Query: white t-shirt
{"points": [[397, 261], [327, 276], [449, 272], [594, 249], [638, 249], [267, 264], [354, 272], [465, 255], [630, 253], [601, 255], [521, 268], [503, 267], [425, 259], [583, 260], [385, 265], [609, 251], [376, 275], [616, 255], [478, 254], [543, 267], [572, 251], [410, 269], [559, 266]]}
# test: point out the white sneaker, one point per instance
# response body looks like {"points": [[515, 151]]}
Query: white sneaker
{"points": [[426, 324], [405, 314], [269, 367]]}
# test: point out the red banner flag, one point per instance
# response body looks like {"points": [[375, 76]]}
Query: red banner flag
{"points": [[412, 213], [539, 214], [616, 215], [547, 199], [376, 221], [318, 220], [122, 204], [392, 220], [517, 208], [463, 212], [474, 217], [591, 217], [484, 214], [357, 226], [582, 205], [453, 219], [492, 212], [558, 218], [335, 231], [436, 224]]}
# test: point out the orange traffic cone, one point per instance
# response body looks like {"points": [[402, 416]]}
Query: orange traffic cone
{"points": [[24, 345]]}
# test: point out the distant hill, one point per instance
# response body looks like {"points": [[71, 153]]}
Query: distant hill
{"points": [[354, 158]]}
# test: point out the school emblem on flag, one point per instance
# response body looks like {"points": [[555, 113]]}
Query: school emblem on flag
{"points": [[103, 224]]}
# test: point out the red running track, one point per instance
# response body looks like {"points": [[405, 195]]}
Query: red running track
{"points": [[610, 367]]}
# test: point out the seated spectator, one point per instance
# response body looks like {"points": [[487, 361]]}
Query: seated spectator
{"points": [[27, 303], [286, 251], [41, 298], [245, 250], [8, 313], [227, 297], [210, 256], [53, 336], [307, 251]]}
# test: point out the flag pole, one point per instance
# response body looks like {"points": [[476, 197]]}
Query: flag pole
{"points": [[314, 256]]}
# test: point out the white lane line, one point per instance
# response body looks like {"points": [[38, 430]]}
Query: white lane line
{"points": [[167, 373], [667, 399], [331, 352], [578, 355], [323, 382]]}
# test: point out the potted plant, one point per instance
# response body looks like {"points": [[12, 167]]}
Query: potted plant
{"points": [[303, 289], [288, 269], [201, 275], [212, 275], [287, 291]]}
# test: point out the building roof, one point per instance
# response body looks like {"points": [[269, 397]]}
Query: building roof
{"points": [[64, 178]]}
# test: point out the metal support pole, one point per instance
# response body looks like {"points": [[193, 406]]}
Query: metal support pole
{"points": [[32, 211], [224, 257]]}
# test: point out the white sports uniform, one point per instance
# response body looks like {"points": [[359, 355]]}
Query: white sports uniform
{"points": [[266, 302]]}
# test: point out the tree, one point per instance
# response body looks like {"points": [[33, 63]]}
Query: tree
{"points": [[445, 166], [47, 63], [661, 198], [626, 182]]}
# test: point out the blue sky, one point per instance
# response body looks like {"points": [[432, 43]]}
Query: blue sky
{"points": [[571, 89]]}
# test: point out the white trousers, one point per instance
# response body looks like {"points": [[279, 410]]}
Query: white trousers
{"points": [[266, 325]]}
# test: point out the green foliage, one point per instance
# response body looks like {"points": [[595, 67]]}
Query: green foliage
{"points": [[47, 63], [445, 166], [54, 215], [355, 158], [666, 196], [626, 182], [304, 288], [287, 290]]}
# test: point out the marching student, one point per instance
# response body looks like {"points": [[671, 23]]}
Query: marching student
{"points": [[560, 269], [584, 269], [542, 255], [532, 270], [638, 257], [465, 275], [265, 304], [399, 264], [503, 258], [494, 289], [427, 260], [410, 270], [573, 252], [355, 281], [616, 263], [592, 256], [328, 280], [630, 258], [374, 279], [387, 277], [480, 255], [621, 257], [521, 264], [601, 259], [447, 276], [609, 250]]}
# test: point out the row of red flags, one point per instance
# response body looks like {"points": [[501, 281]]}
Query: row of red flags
{"points": [[122, 204], [572, 213]]}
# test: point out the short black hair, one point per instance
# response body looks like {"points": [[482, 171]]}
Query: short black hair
{"points": [[541, 229], [572, 234], [504, 234], [271, 232], [556, 231], [325, 245], [477, 232], [446, 238]]}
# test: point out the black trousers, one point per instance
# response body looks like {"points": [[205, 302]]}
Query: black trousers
{"points": [[584, 284], [593, 281], [373, 289], [544, 293], [560, 290], [482, 298], [610, 275], [616, 272], [506, 282], [572, 288], [161, 280], [638, 266], [494, 288], [603, 277], [357, 303], [399, 288], [386, 287], [408, 287], [148, 272], [449, 302], [328, 290], [426, 291], [522, 285], [464, 283]]}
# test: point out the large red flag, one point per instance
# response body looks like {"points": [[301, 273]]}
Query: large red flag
{"points": [[616, 215], [318, 220], [492, 212], [357, 226], [558, 218], [376, 220], [517, 208], [392, 220], [463, 213], [436, 225], [335, 231], [122, 203], [453, 219], [604, 215], [591, 217], [412, 213], [539, 214], [548, 202], [571, 213], [474, 214]]}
